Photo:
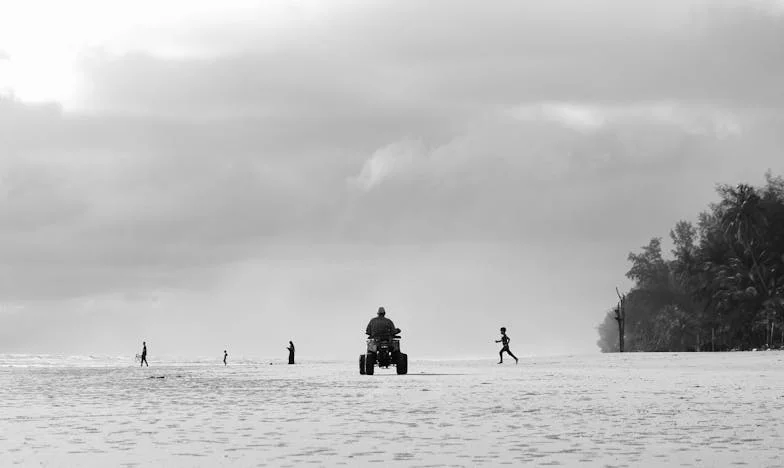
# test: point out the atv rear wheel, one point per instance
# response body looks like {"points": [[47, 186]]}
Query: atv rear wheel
{"points": [[362, 364], [370, 363], [402, 364]]}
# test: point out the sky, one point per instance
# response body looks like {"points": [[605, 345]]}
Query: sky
{"points": [[207, 175]]}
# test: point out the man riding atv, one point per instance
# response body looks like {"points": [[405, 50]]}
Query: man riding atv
{"points": [[383, 346], [380, 326]]}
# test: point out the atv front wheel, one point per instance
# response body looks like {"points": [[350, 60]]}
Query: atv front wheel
{"points": [[402, 364], [370, 363], [362, 364]]}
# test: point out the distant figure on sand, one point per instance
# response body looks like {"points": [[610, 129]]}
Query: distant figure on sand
{"points": [[291, 352], [225, 355], [505, 342], [143, 360], [380, 326]]}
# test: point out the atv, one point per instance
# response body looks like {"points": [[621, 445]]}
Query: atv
{"points": [[384, 352]]}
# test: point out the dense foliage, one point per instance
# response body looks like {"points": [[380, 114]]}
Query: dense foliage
{"points": [[722, 288]]}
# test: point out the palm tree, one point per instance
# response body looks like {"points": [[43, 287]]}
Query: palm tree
{"points": [[744, 225], [741, 216]]}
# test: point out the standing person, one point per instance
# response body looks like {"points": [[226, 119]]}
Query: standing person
{"points": [[143, 360], [225, 355], [505, 342], [291, 352]]}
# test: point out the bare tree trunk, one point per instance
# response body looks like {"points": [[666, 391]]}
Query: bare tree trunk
{"points": [[770, 335], [620, 317], [713, 340], [781, 309]]}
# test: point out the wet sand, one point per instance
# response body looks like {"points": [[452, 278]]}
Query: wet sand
{"points": [[697, 409]]}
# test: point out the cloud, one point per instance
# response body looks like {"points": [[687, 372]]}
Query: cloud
{"points": [[113, 202], [389, 161], [377, 65], [591, 118], [578, 117], [382, 124]]}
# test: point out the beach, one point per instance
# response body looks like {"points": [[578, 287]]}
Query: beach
{"points": [[632, 409]]}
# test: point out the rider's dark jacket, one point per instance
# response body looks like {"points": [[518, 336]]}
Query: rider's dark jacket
{"points": [[380, 327]]}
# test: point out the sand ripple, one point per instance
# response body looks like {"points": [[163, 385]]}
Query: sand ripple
{"points": [[607, 410]]}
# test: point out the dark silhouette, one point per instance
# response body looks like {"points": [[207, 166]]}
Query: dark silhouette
{"points": [[620, 317], [291, 352], [380, 326], [143, 360], [505, 342], [719, 288], [383, 346], [225, 355]]}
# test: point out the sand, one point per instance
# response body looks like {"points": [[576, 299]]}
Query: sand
{"points": [[698, 409]]}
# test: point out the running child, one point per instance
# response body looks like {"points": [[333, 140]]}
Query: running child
{"points": [[505, 342]]}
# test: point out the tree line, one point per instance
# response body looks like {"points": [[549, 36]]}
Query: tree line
{"points": [[721, 289]]}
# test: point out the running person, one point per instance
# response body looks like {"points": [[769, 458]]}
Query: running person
{"points": [[143, 360], [505, 342]]}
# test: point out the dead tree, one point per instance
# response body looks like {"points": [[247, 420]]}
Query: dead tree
{"points": [[620, 317]]}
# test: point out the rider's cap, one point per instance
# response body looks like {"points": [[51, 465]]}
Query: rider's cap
{"points": [[503, 328], [381, 311]]}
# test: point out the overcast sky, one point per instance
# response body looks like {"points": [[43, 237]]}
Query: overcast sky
{"points": [[209, 177]]}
